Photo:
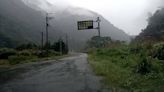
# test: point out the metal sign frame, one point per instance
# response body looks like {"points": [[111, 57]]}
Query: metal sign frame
{"points": [[84, 25]]}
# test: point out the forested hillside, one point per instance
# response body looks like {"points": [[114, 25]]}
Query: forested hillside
{"points": [[19, 23], [155, 30]]}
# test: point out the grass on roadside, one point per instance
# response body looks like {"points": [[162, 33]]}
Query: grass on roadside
{"points": [[10, 57], [124, 68]]}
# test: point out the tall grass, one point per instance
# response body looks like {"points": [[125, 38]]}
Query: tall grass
{"points": [[13, 57], [130, 68]]}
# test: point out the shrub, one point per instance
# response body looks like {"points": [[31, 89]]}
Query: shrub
{"points": [[144, 66], [54, 53], [17, 59], [158, 51], [25, 53], [41, 54], [5, 53], [136, 49], [27, 46], [57, 46]]}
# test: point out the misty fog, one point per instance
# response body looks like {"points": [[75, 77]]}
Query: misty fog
{"points": [[129, 15]]}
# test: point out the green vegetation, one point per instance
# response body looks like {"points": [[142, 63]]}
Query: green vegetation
{"points": [[31, 53], [136, 68]]}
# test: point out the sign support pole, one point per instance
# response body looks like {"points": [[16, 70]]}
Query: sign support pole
{"points": [[98, 21]]}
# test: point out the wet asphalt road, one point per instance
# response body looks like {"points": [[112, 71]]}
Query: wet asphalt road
{"points": [[71, 74]]}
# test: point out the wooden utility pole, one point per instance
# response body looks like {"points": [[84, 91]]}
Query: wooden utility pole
{"points": [[47, 24], [41, 41], [47, 35]]}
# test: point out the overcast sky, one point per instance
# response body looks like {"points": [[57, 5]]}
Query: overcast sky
{"points": [[129, 15]]}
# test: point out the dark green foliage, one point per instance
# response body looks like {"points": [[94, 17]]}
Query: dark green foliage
{"points": [[5, 53], [154, 32], [41, 54], [27, 46], [54, 53], [25, 53], [136, 49], [158, 51], [17, 59], [47, 46], [60, 45], [144, 66]]}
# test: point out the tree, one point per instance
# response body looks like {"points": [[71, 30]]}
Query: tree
{"points": [[155, 29], [27, 46], [60, 45]]}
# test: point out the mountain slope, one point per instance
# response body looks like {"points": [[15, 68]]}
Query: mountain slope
{"points": [[23, 21], [19, 23]]}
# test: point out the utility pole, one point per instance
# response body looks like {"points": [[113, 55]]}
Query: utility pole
{"points": [[98, 21], [41, 41], [47, 24], [47, 35]]}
